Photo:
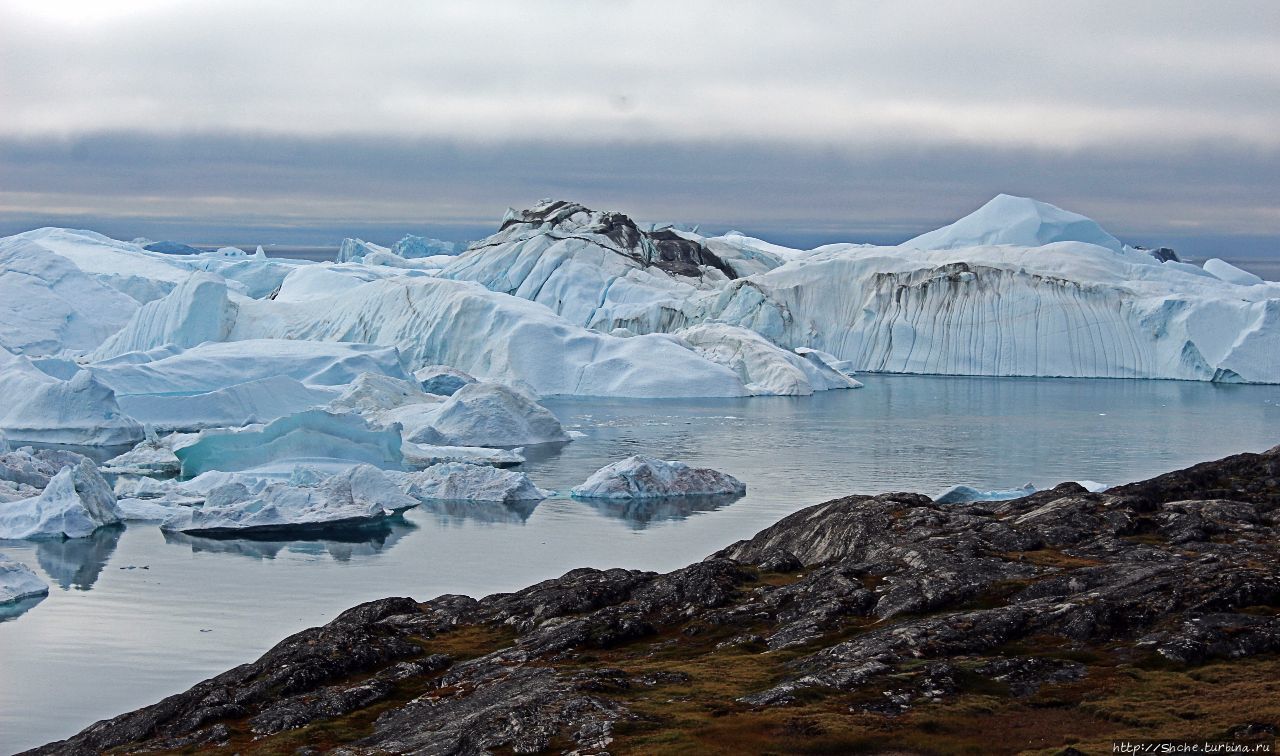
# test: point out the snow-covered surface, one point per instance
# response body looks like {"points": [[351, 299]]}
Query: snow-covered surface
{"points": [[360, 496], [644, 477], [967, 494], [18, 582], [310, 436], [461, 481], [44, 408], [490, 414], [76, 502]]}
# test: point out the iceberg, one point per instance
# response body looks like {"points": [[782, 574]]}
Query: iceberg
{"points": [[763, 367], [216, 366], [256, 401], [464, 482], [490, 414], [441, 379], [195, 311], [354, 250], [47, 304], [152, 456], [418, 456], [313, 435], [79, 410], [18, 582], [75, 503], [1223, 270], [1016, 221], [639, 477], [969, 494], [411, 247], [363, 495]]}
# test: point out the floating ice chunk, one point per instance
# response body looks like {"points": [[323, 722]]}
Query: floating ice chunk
{"points": [[830, 360], [197, 310], [968, 494], [420, 246], [490, 414], [462, 481], [441, 379], [1019, 221], [643, 477], [152, 456], [76, 502], [46, 409], [309, 435], [18, 582], [354, 250], [361, 496], [47, 304], [151, 510], [1231, 274], [257, 401], [418, 456], [764, 367]]}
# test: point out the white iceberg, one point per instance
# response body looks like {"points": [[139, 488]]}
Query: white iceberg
{"points": [[18, 582], [75, 503], [968, 494], [1225, 271], [461, 481], [441, 379], [763, 367], [418, 456], [216, 366], [490, 414], [152, 456], [645, 477], [47, 304], [256, 401], [361, 496], [45, 408], [310, 436], [1017, 221], [354, 250], [197, 310]]}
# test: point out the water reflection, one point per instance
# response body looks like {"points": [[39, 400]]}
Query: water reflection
{"points": [[340, 544], [15, 609], [454, 511], [639, 513], [74, 562]]}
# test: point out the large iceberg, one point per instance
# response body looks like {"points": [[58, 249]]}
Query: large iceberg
{"points": [[197, 310], [305, 437], [490, 414], [75, 503], [461, 481], [361, 496], [45, 408], [47, 304], [1017, 221], [18, 582], [639, 477], [763, 367]]}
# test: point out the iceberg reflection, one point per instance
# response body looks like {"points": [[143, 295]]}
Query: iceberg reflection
{"points": [[341, 544], [639, 513]]}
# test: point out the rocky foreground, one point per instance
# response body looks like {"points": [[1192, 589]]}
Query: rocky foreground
{"points": [[1060, 621]]}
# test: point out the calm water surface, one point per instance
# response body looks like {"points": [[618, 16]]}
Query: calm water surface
{"points": [[134, 615]]}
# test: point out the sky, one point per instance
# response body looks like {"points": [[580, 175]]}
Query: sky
{"points": [[801, 122]]}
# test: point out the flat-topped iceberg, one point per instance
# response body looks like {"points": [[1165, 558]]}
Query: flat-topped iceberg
{"points": [[461, 481], [306, 436], [361, 496], [45, 408], [75, 503], [490, 414], [639, 477], [18, 582]]}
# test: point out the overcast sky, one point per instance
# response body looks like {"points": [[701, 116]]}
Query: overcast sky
{"points": [[800, 121]]}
